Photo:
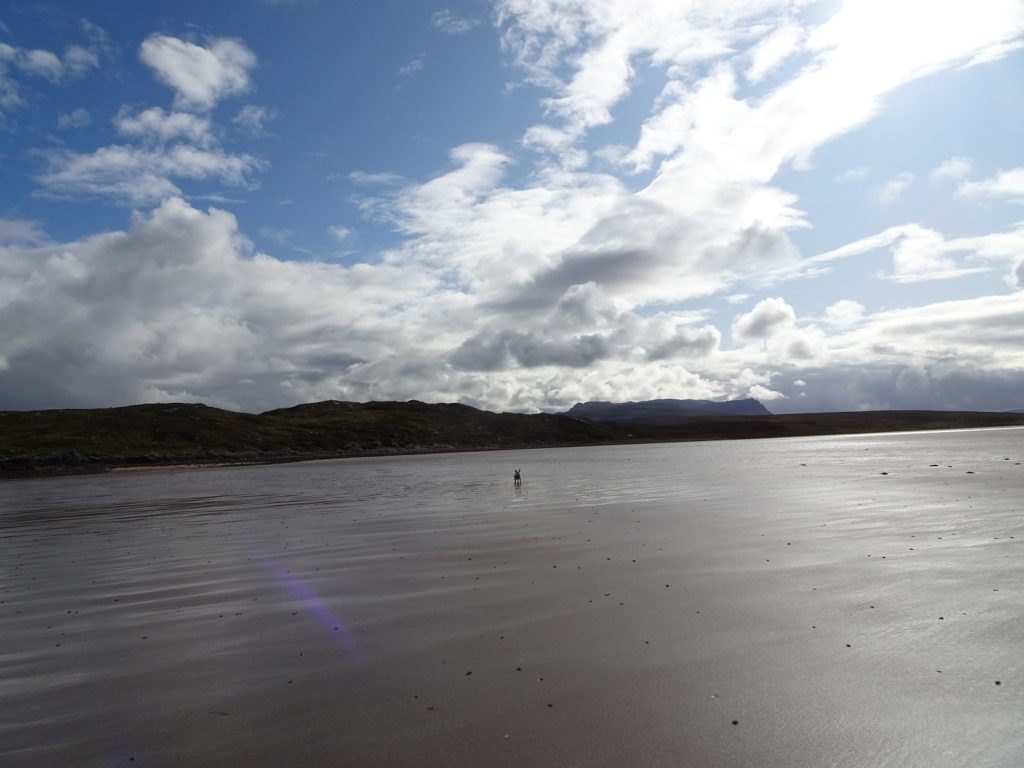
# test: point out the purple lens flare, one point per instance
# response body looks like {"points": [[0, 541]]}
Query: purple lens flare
{"points": [[312, 601]]}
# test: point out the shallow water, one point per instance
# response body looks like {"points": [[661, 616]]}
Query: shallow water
{"points": [[623, 607]]}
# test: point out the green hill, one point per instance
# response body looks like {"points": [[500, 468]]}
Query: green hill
{"points": [[95, 440]]}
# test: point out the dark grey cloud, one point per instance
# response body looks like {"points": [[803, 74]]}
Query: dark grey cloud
{"points": [[606, 269], [763, 320], [584, 306], [686, 343], [801, 349], [493, 351]]}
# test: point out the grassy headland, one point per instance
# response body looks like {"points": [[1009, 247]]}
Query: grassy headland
{"points": [[34, 443]]}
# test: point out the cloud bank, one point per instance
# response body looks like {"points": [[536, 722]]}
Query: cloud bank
{"points": [[554, 270]]}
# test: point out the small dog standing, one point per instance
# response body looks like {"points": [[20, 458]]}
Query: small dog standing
{"points": [[517, 479]]}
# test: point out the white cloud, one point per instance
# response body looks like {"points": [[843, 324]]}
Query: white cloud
{"points": [[339, 232], [995, 51], [892, 191], [155, 124], [543, 285], [601, 42], [767, 318], [920, 253], [1009, 184], [924, 254], [543, 136], [851, 175], [415, 64], [79, 60], [21, 232], [200, 75], [762, 393], [948, 355], [952, 169], [772, 50], [451, 23], [669, 130], [76, 118], [253, 118], [281, 236], [10, 97], [986, 332], [42, 63], [844, 313], [179, 307], [141, 175], [692, 239], [165, 148], [386, 178], [773, 323]]}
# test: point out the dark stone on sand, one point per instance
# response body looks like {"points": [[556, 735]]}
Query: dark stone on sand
{"points": [[735, 722]]}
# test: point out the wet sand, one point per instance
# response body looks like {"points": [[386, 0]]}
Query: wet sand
{"points": [[847, 601]]}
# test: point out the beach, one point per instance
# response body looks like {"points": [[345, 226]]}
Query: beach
{"points": [[842, 600]]}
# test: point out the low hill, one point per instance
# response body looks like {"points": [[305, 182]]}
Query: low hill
{"points": [[658, 411], [34, 443], [56, 441]]}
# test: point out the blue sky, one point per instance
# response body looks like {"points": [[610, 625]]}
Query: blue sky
{"points": [[513, 204]]}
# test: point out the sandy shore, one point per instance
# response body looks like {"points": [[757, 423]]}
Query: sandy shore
{"points": [[825, 601]]}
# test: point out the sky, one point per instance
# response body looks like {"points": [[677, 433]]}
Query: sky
{"points": [[513, 204]]}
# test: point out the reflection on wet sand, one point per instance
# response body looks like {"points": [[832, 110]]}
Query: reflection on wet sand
{"points": [[805, 602]]}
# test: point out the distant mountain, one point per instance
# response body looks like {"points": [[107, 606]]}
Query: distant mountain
{"points": [[651, 411]]}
